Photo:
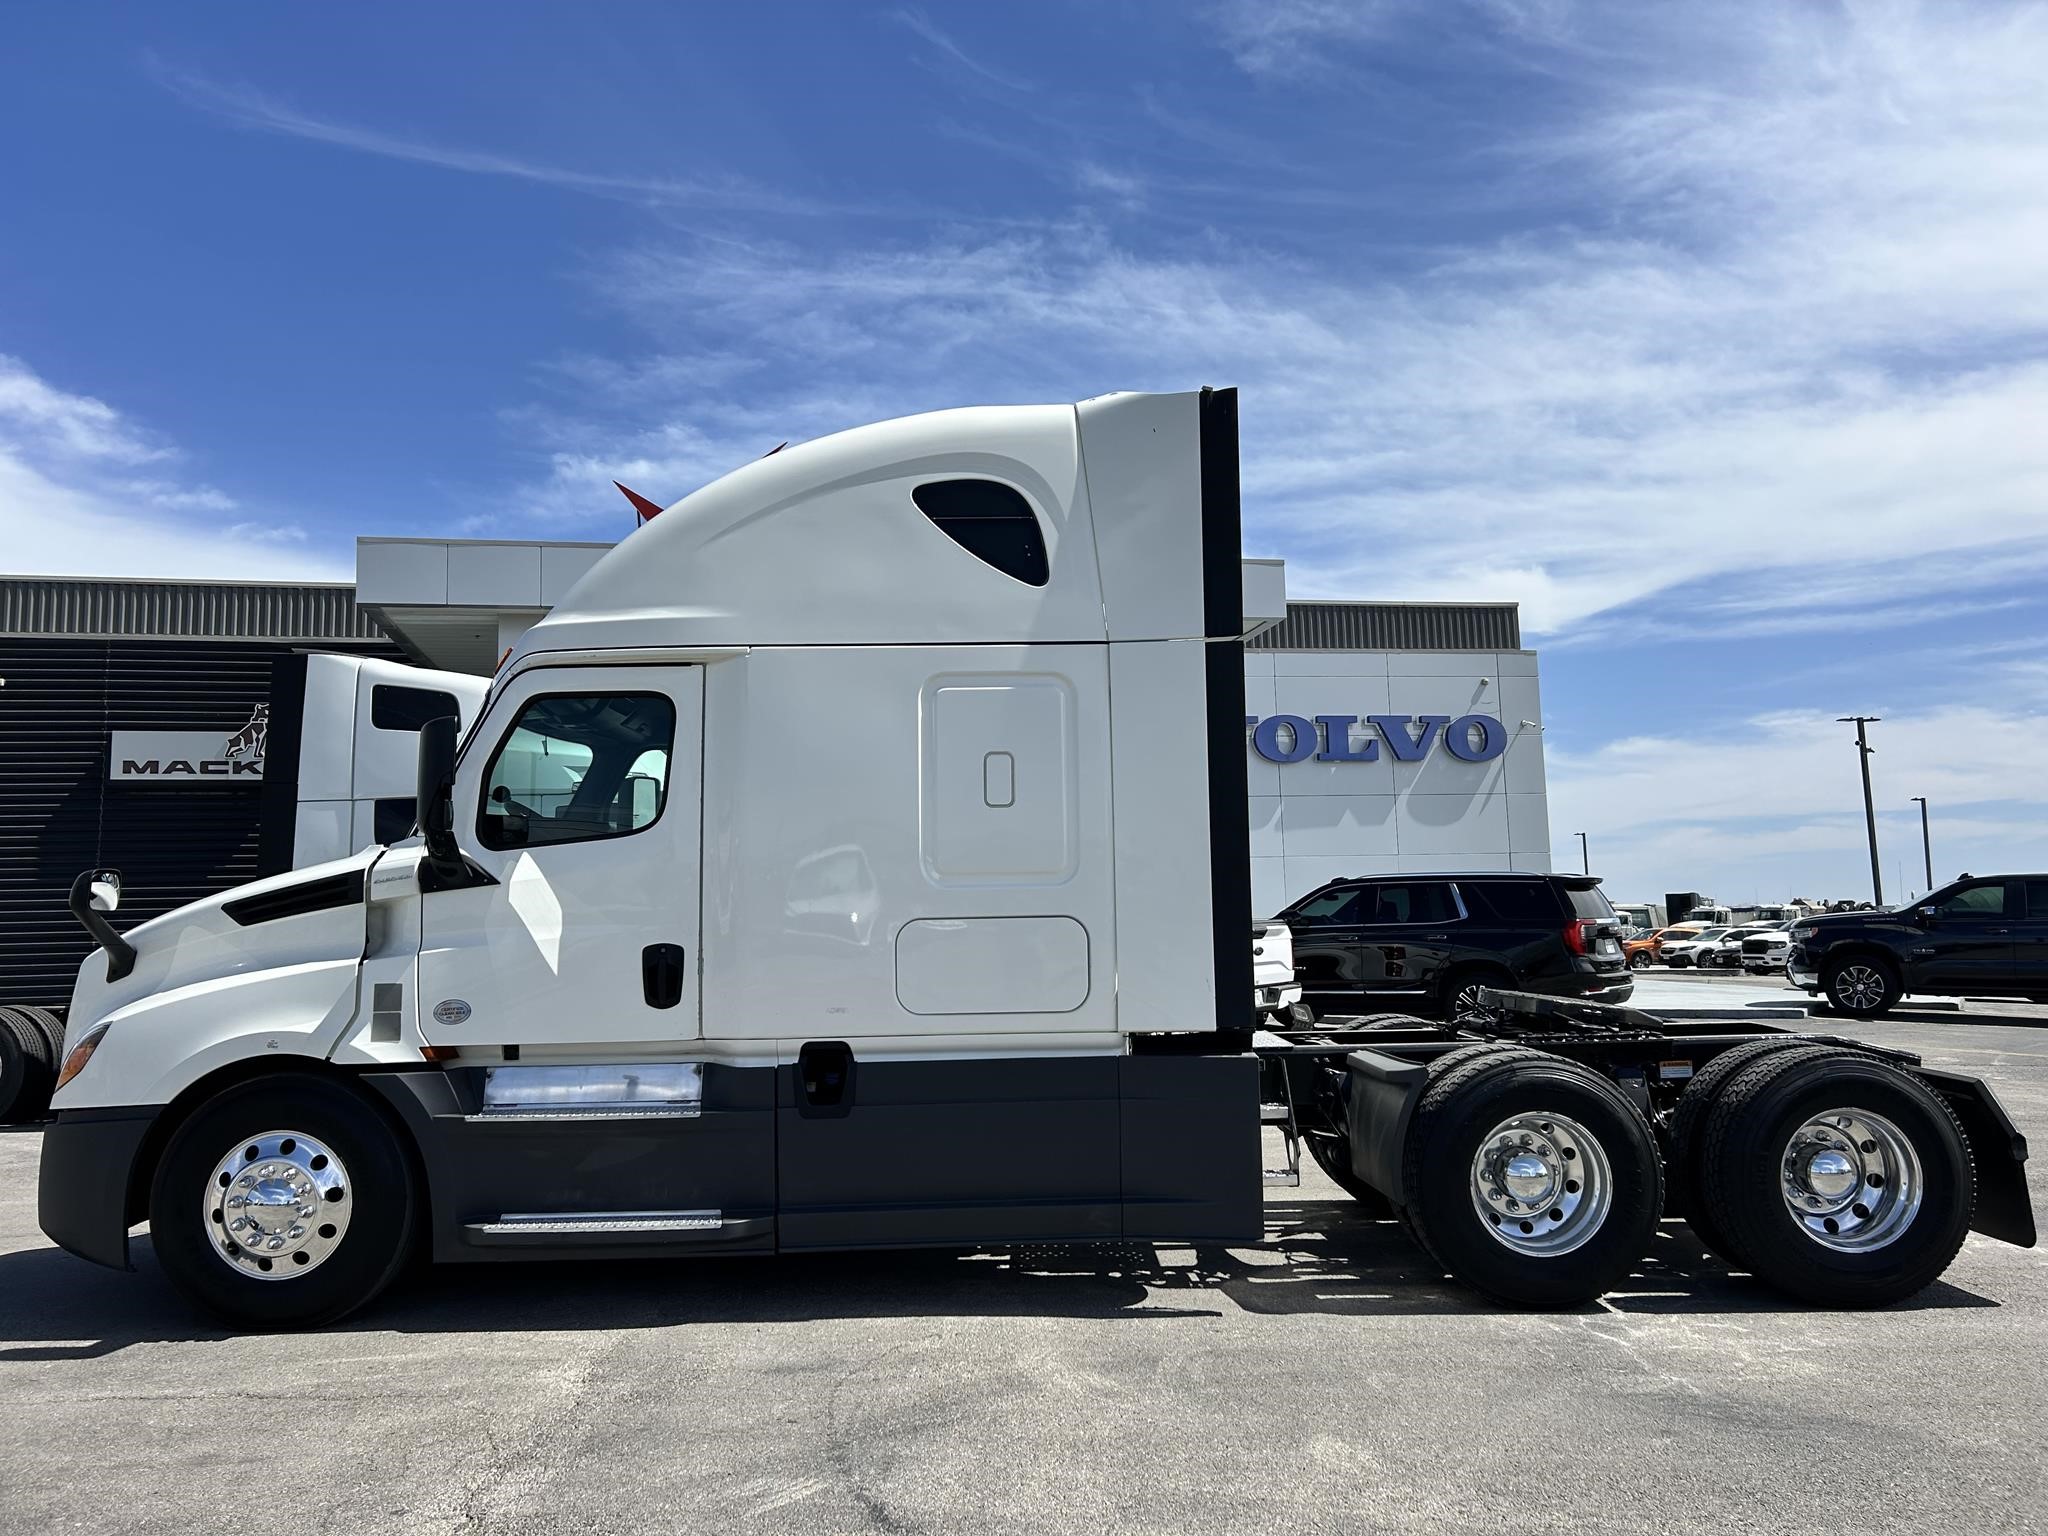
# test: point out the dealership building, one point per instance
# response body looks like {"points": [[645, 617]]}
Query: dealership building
{"points": [[1380, 738]]}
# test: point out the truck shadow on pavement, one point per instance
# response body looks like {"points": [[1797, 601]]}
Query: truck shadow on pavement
{"points": [[1316, 1257]]}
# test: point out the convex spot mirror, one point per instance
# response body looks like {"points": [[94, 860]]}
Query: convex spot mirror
{"points": [[106, 893]]}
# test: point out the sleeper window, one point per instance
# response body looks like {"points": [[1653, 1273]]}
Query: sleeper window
{"points": [[991, 521], [576, 767]]}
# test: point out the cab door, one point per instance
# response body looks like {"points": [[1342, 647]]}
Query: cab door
{"points": [[1409, 929], [1968, 941], [578, 801], [1326, 940]]}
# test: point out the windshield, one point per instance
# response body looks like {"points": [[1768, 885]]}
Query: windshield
{"points": [[1711, 933]]}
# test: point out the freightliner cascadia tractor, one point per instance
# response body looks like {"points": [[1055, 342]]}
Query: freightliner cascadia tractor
{"points": [[858, 858]]}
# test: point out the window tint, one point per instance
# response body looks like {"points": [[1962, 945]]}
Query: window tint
{"points": [[991, 521], [1977, 901], [1330, 909], [395, 817], [578, 766], [396, 708], [1514, 901], [1421, 901], [1591, 903], [2037, 901]]}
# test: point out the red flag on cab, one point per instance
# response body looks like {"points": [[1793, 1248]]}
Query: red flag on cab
{"points": [[644, 508]]}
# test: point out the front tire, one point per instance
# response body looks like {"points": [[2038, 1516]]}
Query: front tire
{"points": [[1861, 986], [283, 1202], [1530, 1178], [1836, 1178]]}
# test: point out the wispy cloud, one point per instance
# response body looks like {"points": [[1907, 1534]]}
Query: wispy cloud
{"points": [[917, 22], [71, 504], [247, 107]]}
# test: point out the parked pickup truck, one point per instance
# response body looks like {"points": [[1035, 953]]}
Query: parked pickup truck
{"points": [[1983, 936], [1274, 989]]}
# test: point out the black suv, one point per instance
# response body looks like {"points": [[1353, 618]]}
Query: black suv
{"points": [[1430, 941], [1984, 936]]}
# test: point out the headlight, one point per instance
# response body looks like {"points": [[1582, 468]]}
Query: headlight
{"points": [[1808, 931], [81, 1053]]}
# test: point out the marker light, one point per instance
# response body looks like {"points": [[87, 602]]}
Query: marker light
{"points": [[81, 1053]]}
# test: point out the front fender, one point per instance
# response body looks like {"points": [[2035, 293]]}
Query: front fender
{"points": [[159, 1045]]}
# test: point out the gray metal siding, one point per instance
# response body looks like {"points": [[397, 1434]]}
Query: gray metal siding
{"points": [[1394, 627], [32, 605], [59, 814]]}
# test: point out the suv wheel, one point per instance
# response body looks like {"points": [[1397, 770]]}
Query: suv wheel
{"points": [[1639, 961], [1861, 986], [1463, 986]]}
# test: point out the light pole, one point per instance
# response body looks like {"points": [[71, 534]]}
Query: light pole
{"points": [[1926, 845], [1863, 751], [1585, 855]]}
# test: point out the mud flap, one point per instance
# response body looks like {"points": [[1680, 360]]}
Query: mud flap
{"points": [[2004, 1208]]}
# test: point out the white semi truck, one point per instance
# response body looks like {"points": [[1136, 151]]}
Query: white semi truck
{"points": [[858, 858]]}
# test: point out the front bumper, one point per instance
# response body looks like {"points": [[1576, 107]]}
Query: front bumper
{"points": [[82, 1191], [1279, 997]]}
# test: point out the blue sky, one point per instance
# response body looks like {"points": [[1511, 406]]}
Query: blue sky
{"points": [[1714, 335]]}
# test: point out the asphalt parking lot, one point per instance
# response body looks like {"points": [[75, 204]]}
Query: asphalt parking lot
{"points": [[1322, 1380]]}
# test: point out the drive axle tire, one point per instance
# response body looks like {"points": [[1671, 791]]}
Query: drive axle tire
{"points": [[283, 1202], [1837, 1178], [1862, 986], [28, 1067], [1685, 1173], [1530, 1178]]}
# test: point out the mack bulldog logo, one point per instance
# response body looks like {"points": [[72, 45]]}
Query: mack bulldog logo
{"points": [[206, 756]]}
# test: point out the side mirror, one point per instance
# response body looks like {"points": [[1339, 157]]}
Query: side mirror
{"points": [[436, 796], [1930, 914]]}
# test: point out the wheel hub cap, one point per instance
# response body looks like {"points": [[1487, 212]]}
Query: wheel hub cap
{"points": [[1862, 987], [1851, 1180], [1541, 1183], [277, 1205]]}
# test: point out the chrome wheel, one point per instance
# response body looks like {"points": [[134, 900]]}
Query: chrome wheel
{"points": [[277, 1205], [1859, 986], [1542, 1184], [1852, 1180]]}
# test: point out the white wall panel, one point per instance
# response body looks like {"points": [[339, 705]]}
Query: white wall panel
{"points": [[1339, 824], [1436, 824]]}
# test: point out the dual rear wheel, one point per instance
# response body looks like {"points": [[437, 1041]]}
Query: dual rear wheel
{"points": [[1833, 1176]]}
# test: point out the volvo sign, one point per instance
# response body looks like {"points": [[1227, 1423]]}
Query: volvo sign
{"points": [[1407, 738]]}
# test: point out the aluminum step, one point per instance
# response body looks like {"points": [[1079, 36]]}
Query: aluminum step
{"points": [[1282, 1178]]}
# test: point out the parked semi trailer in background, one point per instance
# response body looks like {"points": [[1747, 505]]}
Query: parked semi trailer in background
{"points": [[856, 858]]}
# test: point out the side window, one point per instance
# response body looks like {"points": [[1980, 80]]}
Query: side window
{"points": [[2037, 901], [991, 521], [1514, 901], [1977, 901], [1331, 909], [395, 816], [575, 767], [397, 708], [1422, 901]]}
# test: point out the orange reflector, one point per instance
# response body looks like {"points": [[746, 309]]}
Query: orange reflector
{"points": [[440, 1052]]}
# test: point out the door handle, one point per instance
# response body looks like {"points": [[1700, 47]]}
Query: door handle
{"points": [[1436, 936], [661, 975]]}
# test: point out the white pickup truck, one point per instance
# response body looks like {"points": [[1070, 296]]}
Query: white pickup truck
{"points": [[1275, 988]]}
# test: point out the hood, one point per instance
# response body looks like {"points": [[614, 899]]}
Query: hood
{"points": [[304, 915]]}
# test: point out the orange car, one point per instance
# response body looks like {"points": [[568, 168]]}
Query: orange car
{"points": [[1643, 953]]}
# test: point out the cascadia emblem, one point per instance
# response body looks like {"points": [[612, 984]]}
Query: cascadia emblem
{"points": [[451, 1011]]}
